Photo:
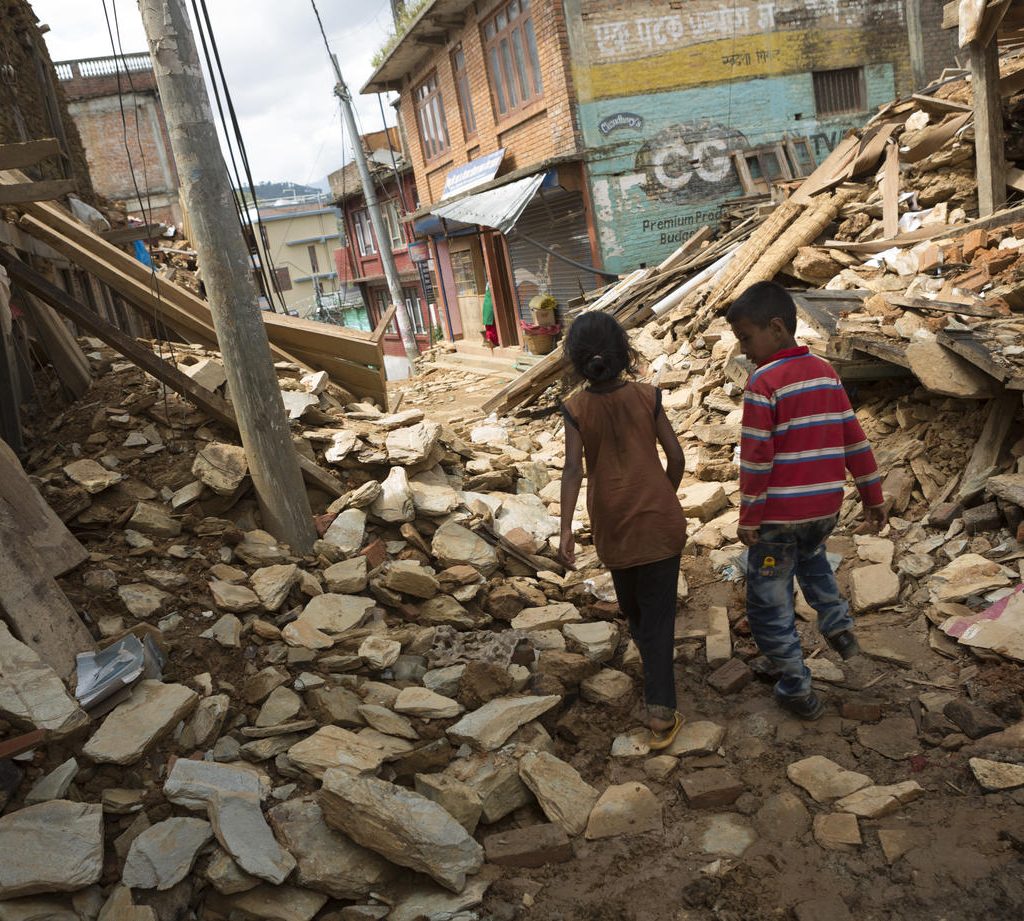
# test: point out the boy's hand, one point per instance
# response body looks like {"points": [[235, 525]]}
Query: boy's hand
{"points": [[567, 550], [748, 536], [876, 517]]}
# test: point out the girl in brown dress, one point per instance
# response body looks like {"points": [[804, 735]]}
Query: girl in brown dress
{"points": [[637, 523]]}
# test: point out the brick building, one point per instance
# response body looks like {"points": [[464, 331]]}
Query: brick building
{"points": [[96, 90], [363, 289], [630, 115], [487, 108]]}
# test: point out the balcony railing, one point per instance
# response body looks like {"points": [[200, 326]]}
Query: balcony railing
{"points": [[103, 67]]}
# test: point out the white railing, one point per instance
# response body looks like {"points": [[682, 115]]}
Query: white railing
{"points": [[103, 67]]}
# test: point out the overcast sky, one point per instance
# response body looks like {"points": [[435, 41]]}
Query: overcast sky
{"points": [[277, 69]]}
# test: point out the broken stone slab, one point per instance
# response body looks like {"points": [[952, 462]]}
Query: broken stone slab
{"points": [[226, 876], [221, 467], [825, 780], [206, 722], [944, 372], [154, 521], [969, 574], [152, 711], [877, 801], [974, 721], [874, 586], [302, 634], [32, 695], [412, 444], [53, 785], [490, 726], [837, 831], [388, 722], [207, 372], [547, 617], [624, 809], [632, 744], [727, 835], [163, 855], [331, 747], [455, 545], [410, 577], [700, 738], [432, 495], [997, 775], [347, 531], [426, 704], [282, 705], [296, 402], [711, 788], [597, 640], [394, 504], [273, 583], [703, 500], [268, 903], [528, 847], [51, 847], [444, 610], [142, 600], [895, 737], [416, 900], [231, 798], [120, 907], [609, 687], [398, 420], [327, 860], [379, 652], [495, 778], [234, 598], [347, 577], [226, 631], [334, 614], [458, 799], [563, 795], [400, 825], [91, 476]]}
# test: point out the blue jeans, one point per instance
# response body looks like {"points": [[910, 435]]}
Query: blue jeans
{"points": [[782, 552]]}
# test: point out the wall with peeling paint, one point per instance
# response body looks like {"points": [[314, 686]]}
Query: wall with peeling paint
{"points": [[665, 90]]}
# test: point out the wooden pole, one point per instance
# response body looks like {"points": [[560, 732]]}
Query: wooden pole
{"points": [[988, 127], [227, 272]]}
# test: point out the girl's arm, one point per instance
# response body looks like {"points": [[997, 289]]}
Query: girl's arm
{"points": [[673, 452], [572, 480]]}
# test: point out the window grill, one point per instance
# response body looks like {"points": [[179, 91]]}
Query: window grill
{"points": [[837, 92]]}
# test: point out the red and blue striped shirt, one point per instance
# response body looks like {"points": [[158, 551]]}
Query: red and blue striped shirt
{"points": [[800, 436]]}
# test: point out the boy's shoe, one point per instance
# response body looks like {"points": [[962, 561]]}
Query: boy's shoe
{"points": [[844, 643], [808, 707]]}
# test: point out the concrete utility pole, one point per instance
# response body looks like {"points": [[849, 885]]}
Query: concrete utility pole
{"points": [[227, 273], [387, 259]]}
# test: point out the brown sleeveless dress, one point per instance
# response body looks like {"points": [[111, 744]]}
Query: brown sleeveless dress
{"points": [[635, 516]]}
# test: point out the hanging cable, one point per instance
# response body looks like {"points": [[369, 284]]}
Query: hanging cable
{"points": [[394, 162]]}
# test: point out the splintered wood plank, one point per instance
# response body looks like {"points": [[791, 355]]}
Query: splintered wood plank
{"points": [[55, 545], [21, 192], [990, 155], [891, 192], [32, 603], [28, 153]]}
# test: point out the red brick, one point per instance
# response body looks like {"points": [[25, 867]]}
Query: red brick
{"points": [[731, 677], [532, 846], [711, 789]]}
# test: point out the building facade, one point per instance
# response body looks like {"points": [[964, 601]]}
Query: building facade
{"points": [[487, 110], [363, 288], [295, 241], [642, 122], [102, 91]]}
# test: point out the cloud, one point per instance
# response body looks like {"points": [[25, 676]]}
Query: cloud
{"points": [[277, 70]]}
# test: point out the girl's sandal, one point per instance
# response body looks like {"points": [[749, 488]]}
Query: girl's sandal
{"points": [[661, 739]]}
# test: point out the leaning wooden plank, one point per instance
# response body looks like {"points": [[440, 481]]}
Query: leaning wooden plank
{"points": [[33, 605], [211, 403], [64, 352], [831, 171], [27, 153], [40, 527], [891, 192], [121, 235], [872, 148], [920, 303], [984, 458], [22, 192], [689, 246], [939, 105], [934, 137]]}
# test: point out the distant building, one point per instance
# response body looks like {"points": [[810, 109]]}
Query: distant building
{"points": [[360, 270], [301, 236], [100, 93]]}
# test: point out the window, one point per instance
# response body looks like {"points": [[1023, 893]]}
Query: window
{"points": [[284, 278], [364, 233], [430, 117], [314, 263], [464, 272], [413, 309], [394, 225], [512, 59], [461, 76], [839, 91]]}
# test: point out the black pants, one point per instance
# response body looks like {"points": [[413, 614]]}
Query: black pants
{"points": [[647, 596]]}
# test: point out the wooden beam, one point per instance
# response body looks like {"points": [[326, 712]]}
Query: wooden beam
{"points": [[891, 191], [20, 744], [131, 234], [21, 192], [436, 41], [385, 320], [65, 354], [209, 402], [938, 105], [985, 456], [28, 153], [990, 154]]}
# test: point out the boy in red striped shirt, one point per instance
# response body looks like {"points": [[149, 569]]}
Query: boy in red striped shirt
{"points": [[800, 436]]}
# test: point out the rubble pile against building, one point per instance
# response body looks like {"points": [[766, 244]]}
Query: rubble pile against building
{"points": [[429, 706]]}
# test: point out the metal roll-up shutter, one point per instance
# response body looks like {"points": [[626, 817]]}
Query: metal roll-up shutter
{"points": [[557, 219]]}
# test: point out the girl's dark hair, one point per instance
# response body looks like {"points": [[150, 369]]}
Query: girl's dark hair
{"points": [[598, 347]]}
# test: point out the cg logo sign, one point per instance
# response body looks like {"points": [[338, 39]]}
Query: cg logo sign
{"points": [[690, 162]]}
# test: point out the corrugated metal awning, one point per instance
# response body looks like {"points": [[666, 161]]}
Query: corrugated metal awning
{"points": [[499, 208]]}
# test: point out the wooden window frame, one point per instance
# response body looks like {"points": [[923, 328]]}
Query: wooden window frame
{"points": [[463, 91], [365, 239], [393, 222], [431, 122], [512, 58]]}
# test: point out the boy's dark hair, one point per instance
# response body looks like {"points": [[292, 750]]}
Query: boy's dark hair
{"points": [[598, 347], [761, 303]]}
